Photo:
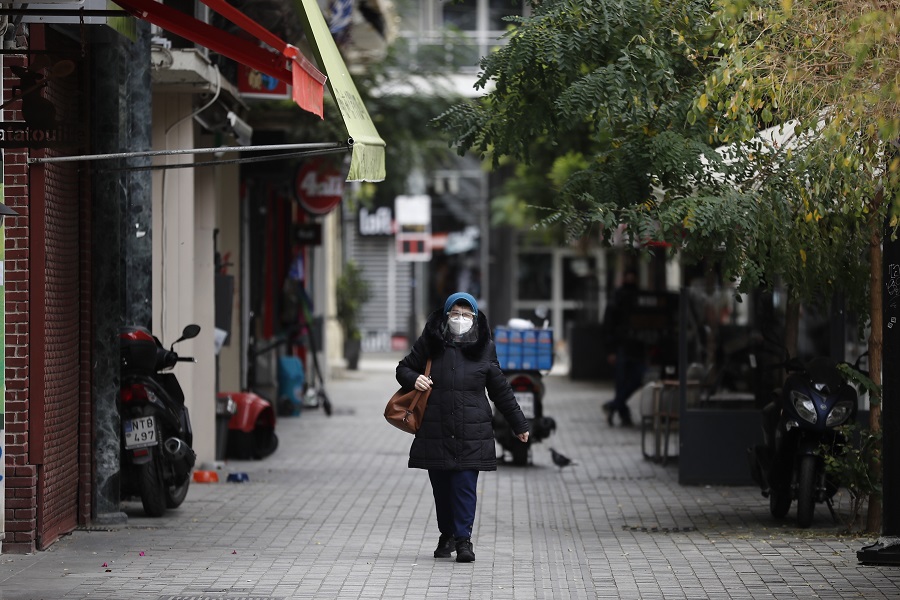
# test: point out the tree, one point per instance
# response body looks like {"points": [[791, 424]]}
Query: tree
{"points": [[645, 91], [834, 69], [600, 93]]}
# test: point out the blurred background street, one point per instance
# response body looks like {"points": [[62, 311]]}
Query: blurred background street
{"points": [[335, 513]]}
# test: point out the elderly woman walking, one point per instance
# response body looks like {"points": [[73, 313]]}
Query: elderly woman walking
{"points": [[456, 438]]}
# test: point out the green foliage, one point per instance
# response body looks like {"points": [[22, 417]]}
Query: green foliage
{"points": [[830, 71], [854, 464], [862, 382], [594, 97], [664, 102], [352, 292]]}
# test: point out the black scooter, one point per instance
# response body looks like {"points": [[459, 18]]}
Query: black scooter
{"points": [[156, 453], [800, 427], [523, 355]]}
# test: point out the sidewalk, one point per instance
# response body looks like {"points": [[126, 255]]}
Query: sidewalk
{"points": [[335, 513]]}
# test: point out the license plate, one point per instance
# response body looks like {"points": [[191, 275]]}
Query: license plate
{"points": [[140, 433], [526, 403]]}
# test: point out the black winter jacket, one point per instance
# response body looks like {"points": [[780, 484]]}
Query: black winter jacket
{"points": [[456, 431]]}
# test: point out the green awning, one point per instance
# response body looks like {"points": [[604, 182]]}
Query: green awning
{"points": [[367, 155]]}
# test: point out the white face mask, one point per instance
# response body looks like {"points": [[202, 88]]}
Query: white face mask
{"points": [[459, 325]]}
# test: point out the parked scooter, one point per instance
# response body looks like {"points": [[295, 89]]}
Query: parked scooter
{"points": [[251, 429], [523, 354], [800, 426], [156, 453]]}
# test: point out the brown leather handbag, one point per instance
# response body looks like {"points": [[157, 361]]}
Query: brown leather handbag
{"points": [[406, 408]]}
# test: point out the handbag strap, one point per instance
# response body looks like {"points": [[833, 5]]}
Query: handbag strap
{"points": [[420, 392]]}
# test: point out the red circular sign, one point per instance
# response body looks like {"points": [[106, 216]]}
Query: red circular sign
{"points": [[319, 186]]}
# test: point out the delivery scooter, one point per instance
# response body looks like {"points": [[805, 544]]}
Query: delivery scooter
{"points": [[524, 353]]}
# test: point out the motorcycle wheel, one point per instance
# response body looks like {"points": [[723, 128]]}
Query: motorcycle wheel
{"points": [[806, 491], [176, 494], [779, 503], [153, 496], [265, 442]]}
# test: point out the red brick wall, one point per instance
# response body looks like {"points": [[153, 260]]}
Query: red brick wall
{"points": [[49, 437], [21, 477]]}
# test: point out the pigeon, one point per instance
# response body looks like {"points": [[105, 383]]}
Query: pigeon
{"points": [[560, 460]]}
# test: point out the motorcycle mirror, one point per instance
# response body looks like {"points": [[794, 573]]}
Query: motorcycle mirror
{"points": [[190, 331], [862, 363]]}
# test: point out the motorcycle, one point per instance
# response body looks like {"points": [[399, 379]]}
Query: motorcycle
{"points": [[156, 439], [251, 428], [800, 428], [524, 353]]}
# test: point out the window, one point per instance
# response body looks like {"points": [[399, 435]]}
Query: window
{"points": [[455, 34], [535, 276], [499, 9], [460, 14]]}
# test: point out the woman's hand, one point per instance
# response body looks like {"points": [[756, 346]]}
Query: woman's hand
{"points": [[523, 437], [423, 382]]}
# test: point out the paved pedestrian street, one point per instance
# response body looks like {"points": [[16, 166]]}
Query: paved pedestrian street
{"points": [[335, 513]]}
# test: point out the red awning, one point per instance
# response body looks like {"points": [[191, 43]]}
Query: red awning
{"points": [[306, 80]]}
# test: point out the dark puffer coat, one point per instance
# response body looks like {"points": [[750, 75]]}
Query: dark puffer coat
{"points": [[456, 431]]}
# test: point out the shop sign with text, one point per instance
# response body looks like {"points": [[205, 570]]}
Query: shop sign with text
{"points": [[319, 186], [376, 221]]}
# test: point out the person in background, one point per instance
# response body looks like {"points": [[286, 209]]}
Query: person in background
{"points": [[456, 438], [628, 352]]}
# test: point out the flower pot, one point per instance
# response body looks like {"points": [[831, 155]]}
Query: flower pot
{"points": [[352, 350]]}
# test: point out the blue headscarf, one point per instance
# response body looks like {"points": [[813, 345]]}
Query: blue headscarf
{"points": [[454, 298]]}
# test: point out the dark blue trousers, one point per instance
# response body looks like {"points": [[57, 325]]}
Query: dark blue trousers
{"points": [[454, 501], [629, 377]]}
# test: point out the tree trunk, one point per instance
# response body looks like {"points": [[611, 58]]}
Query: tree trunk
{"points": [[791, 326], [876, 347]]}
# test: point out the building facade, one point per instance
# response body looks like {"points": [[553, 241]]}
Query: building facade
{"points": [[120, 159]]}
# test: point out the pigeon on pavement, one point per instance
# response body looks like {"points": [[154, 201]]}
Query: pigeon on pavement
{"points": [[561, 460]]}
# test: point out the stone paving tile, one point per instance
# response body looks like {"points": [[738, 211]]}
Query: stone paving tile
{"points": [[335, 513]]}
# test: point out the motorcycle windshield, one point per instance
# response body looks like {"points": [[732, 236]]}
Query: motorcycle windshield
{"points": [[823, 371]]}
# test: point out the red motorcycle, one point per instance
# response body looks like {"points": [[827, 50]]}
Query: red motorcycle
{"points": [[251, 429]]}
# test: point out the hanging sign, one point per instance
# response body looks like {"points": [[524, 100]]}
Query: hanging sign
{"points": [[254, 84], [413, 235], [308, 234], [319, 186], [42, 127]]}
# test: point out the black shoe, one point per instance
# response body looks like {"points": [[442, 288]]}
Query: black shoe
{"points": [[464, 551], [444, 547], [608, 411]]}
